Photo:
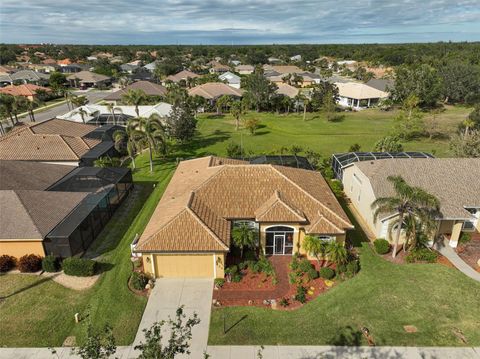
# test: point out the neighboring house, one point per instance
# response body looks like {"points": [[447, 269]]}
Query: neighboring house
{"points": [[150, 89], [6, 70], [358, 95], [454, 181], [64, 62], [151, 66], [56, 209], [87, 79], [385, 85], [183, 75], [189, 232], [274, 60], [44, 68], [101, 115], [245, 69], [287, 90], [129, 68], [73, 68], [29, 76], [28, 91], [213, 90], [296, 58], [57, 141], [217, 68], [232, 79]]}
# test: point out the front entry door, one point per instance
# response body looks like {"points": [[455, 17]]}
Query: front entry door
{"points": [[279, 240]]}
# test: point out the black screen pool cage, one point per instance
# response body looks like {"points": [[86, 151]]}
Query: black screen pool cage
{"points": [[342, 160]]}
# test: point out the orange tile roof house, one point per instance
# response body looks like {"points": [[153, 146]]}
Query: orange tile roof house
{"points": [[55, 141], [182, 75], [150, 89], [188, 235], [26, 90]]}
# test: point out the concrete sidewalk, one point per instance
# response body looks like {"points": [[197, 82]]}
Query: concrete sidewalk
{"points": [[448, 252], [275, 352]]}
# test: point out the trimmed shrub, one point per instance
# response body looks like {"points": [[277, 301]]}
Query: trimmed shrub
{"points": [[294, 263], [219, 282], [301, 294], [421, 255], [337, 188], [284, 302], [138, 280], [243, 265], [30, 263], [352, 268], [465, 238], [7, 263], [381, 246], [292, 277], [79, 267], [327, 273], [50, 263], [231, 270], [237, 277], [305, 265], [312, 274]]}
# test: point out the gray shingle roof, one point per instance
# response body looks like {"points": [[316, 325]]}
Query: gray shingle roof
{"points": [[454, 181]]}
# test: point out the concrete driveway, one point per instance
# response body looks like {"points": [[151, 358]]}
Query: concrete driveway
{"points": [[167, 295]]}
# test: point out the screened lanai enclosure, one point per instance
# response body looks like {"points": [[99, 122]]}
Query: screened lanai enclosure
{"points": [[108, 187], [342, 160]]}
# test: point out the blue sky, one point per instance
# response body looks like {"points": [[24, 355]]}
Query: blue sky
{"points": [[238, 21]]}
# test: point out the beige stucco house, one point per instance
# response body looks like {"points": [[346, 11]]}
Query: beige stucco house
{"points": [[454, 181], [189, 233]]}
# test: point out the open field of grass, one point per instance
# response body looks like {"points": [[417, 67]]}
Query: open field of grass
{"points": [[316, 133], [39, 312]]}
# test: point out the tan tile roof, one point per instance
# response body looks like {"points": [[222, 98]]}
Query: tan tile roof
{"points": [[52, 140], [33, 214], [287, 90], [87, 76], [182, 75], [454, 181], [214, 90], [148, 87], [212, 192], [359, 91]]}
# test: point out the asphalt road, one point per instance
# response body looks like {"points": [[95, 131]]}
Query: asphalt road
{"points": [[92, 96]]}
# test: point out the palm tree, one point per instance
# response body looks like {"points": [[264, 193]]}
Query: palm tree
{"points": [[127, 139], [107, 161], [222, 102], [31, 106], [135, 97], [287, 103], [244, 236], [236, 109], [315, 247], [407, 201], [468, 123], [81, 111], [19, 103], [337, 253], [150, 133], [78, 101], [6, 106]]}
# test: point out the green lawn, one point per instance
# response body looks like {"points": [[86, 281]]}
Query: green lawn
{"points": [[383, 297], [316, 133], [38, 312]]}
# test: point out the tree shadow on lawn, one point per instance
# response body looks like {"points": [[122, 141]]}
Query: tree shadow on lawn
{"points": [[30, 286], [201, 142], [225, 329]]}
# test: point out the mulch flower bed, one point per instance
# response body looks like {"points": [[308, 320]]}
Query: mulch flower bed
{"points": [[470, 252], [257, 289]]}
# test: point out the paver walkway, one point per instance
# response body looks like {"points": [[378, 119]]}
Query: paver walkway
{"points": [[447, 251]]}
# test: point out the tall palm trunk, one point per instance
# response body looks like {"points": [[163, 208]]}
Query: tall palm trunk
{"points": [[150, 157], [397, 235], [304, 112]]}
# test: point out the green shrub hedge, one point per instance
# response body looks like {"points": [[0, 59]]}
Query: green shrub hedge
{"points": [[421, 255], [50, 264], [312, 274], [79, 267], [7, 263], [138, 280], [381, 246], [305, 265], [327, 273], [29, 263], [301, 295]]}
